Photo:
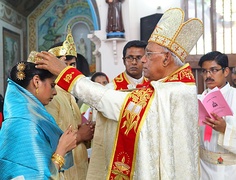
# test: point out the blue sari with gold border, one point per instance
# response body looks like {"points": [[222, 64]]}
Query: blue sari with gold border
{"points": [[28, 138]]}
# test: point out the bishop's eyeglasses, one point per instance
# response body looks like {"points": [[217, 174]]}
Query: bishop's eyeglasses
{"points": [[148, 54], [211, 71]]}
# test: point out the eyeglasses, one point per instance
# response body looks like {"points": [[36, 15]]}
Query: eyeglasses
{"points": [[211, 71], [132, 58], [148, 54]]}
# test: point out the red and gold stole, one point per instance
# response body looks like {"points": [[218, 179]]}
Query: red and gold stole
{"points": [[183, 74], [121, 82], [68, 77], [132, 117]]}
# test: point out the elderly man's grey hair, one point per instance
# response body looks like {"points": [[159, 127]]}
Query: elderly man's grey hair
{"points": [[177, 61]]}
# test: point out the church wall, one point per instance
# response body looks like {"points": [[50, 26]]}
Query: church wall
{"points": [[133, 10], [12, 41]]}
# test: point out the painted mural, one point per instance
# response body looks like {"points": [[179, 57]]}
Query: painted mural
{"points": [[11, 51], [80, 15]]}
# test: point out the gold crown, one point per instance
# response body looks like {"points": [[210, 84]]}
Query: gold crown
{"points": [[68, 47], [33, 57], [175, 34]]}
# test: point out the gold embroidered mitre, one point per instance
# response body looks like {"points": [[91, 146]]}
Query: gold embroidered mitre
{"points": [[67, 49], [175, 34]]}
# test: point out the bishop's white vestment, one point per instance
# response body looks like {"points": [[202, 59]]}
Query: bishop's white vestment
{"points": [[166, 143]]}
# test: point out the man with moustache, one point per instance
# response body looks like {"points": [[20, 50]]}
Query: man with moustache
{"points": [[133, 52], [218, 153]]}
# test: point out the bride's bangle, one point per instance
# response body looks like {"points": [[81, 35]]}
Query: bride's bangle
{"points": [[58, 159]]}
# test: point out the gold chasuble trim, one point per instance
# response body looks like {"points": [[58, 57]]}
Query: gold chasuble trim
{"points": [[67, 78], [129, 127], [121, 82], [183, 74]]}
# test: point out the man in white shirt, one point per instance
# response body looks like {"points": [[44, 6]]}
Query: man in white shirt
{"points": [[218, 134]]}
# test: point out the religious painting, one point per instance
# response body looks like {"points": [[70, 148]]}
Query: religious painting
{"points": [[80, 16], [11, 51]]}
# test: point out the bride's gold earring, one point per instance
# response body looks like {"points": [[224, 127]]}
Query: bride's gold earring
{"points": [[37, 90]]}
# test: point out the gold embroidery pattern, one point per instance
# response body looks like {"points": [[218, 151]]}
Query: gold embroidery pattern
{"points": [[174, 77], [120, 78], [69, 77], [121, 169], [138, 101], [183, 74], [186, 73], [174, 38]]}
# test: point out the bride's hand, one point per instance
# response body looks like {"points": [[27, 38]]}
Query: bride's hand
{"points": [[67, 141]]}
